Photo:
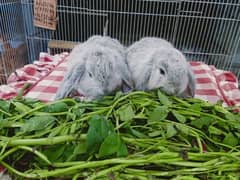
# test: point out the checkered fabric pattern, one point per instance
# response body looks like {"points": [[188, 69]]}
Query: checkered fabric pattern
{"points": [[213, 84], [32, 74], [46, 75]]}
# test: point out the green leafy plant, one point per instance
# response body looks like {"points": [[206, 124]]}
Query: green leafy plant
{"points": [[140, 135]]}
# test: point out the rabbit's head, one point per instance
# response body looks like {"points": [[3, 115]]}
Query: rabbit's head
{"points": [[170, 72], [95, 70], [98, 74], [155, 63]]}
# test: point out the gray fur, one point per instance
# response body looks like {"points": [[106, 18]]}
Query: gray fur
{"points": [[155, 63], [96, 68]]}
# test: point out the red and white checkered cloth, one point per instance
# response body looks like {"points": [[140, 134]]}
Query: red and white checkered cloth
{"points": [[213, 84], [46, 75], [31, 73]]}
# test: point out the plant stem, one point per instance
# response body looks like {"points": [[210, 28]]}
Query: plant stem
{"points": [[26, 175], [6, 113], [105, 172], [126, 97], [43, 106], [39, 141]]}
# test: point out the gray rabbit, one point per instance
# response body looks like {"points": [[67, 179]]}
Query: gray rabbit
{"points": [[96, 67], [155, 63]]}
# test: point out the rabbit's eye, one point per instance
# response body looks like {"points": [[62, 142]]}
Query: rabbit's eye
{"points": [[90, 74], [162, 71]]}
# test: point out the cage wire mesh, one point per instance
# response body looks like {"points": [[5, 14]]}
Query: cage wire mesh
{"points": [[206, 30], [13, 49]]}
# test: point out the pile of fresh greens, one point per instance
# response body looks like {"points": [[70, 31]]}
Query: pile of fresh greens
{"points": [[141, 135]]}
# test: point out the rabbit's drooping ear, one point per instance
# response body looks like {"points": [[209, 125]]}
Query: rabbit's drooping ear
{"points": [[70, 81], [127, 82], [141, 73], [191, 87], [127, 85]]}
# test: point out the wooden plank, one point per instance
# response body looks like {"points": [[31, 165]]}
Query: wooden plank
{"points": [[58, 44]]}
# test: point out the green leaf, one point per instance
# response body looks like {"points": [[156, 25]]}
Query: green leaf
{"points": [[37, 104], [207, 105], [31, 102], [159, 113], [214, 130], [230, 139], [78, 111], [155, 133], [179, 117], [122, 150], [203, 121], [5, 105], [196, 123], [99, 129], [4, 123], [68, 153], [94, 139], [171, 131], [126, 113], [163, 98], [237, 126], [196, 107], [230, 116], [220, 109], [38, 123], [140, 115], [106, 128], [138, 134], [71, 116], [182, 128], [21, 108], [110, 145], [54, 152], [79, 149]]}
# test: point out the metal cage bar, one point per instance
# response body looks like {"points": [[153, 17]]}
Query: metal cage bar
{"points": [[13, 48]]}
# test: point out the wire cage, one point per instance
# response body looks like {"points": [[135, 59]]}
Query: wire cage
{"points": [[204, 30], [13, 49]]}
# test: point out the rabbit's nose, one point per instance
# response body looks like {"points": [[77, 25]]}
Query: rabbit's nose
{"points": [[98, 53], [178, 88]]}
